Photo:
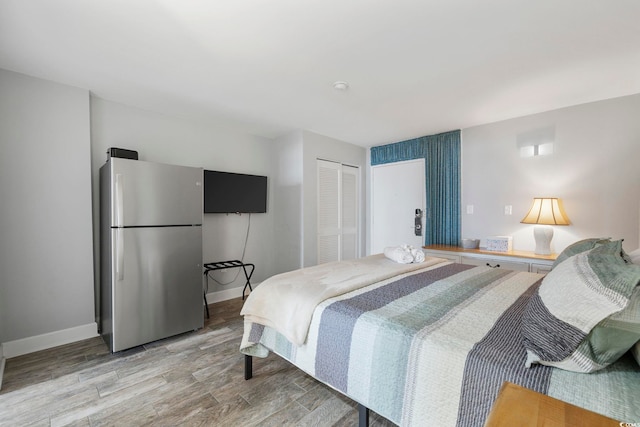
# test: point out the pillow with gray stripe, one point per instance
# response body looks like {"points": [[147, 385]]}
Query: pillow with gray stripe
{"points": [[579, 247], [584, 315]]}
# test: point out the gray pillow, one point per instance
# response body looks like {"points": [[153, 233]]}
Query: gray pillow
{"points": [[579, 247], [568, 321], [615, 335]]}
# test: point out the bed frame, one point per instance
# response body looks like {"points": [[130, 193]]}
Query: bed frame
{"points": [[363, 411]]}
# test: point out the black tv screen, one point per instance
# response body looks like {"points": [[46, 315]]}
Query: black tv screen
{"points": [[226, 192]]}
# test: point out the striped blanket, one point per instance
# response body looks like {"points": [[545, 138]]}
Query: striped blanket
{"points": [[434, 347], [286, 301]]}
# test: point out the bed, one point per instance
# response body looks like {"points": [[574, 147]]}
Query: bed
{"points": [[432, 343]]}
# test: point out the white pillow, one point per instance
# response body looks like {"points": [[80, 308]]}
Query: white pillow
{"points": [[635, 256]]}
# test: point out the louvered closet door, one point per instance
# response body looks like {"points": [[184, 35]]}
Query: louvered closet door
{"points": [[337, 211], [349, 247], [328, 211]]}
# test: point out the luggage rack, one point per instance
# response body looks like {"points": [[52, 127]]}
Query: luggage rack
{"points": [[222, 265]]}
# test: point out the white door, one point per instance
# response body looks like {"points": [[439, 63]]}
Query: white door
{"points": [[397, 190]]}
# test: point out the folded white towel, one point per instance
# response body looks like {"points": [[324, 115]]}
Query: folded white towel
{"points": [[418, 255], [399, 254]]}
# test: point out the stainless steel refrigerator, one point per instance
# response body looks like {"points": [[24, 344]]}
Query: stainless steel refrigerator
{"points": [[151, 251]]}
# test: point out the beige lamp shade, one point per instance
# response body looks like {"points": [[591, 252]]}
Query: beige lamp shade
{"points": [[546, 211]]}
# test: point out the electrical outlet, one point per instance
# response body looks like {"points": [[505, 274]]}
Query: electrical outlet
{"points": [[469, 209], [508, 209]]}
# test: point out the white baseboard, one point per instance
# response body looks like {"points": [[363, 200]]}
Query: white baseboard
{"points": [[66, 336], [227, 294], [50, 340]]}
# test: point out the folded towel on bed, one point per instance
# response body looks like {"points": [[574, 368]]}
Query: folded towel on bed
{"points": [[418, 255], [398, 254], [404, 254]]}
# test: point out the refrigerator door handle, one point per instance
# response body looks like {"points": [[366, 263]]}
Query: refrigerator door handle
{"points": [[118, 201], [119, 254]]}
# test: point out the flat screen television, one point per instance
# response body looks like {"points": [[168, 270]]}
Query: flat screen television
{"points": [[226, 192]]}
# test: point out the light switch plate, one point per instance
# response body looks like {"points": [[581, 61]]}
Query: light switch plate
{"points": [[508, 209]]}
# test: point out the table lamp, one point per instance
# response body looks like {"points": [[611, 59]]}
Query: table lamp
{"points": [[544, 212]]}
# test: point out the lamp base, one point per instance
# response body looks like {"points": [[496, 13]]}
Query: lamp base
{"points": [[543, 235]]}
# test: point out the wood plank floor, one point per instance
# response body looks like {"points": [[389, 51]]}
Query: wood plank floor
{"points": [[195, 379]]}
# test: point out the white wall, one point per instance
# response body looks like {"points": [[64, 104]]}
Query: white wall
{"points": [[288, 218], [45, 226], [214, 146], [594, 169]]}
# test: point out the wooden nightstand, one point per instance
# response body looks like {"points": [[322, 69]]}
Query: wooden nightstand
{"points": [[519, 406], [512, 260]]}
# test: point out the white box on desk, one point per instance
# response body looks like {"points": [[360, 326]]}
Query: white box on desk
{"points": [[499, 243]]}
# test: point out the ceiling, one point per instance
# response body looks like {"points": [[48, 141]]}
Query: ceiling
{"points": [[414, 68]]}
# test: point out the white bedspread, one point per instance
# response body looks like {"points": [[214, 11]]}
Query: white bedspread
{"points": [[285, 302]]}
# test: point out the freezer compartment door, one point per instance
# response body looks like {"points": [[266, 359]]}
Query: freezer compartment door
{"points": [[156, 284], [148, 194]]}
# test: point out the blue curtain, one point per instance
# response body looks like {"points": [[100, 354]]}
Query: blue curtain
{"points": [[442, 163], [398, 152], [442, 174]]}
